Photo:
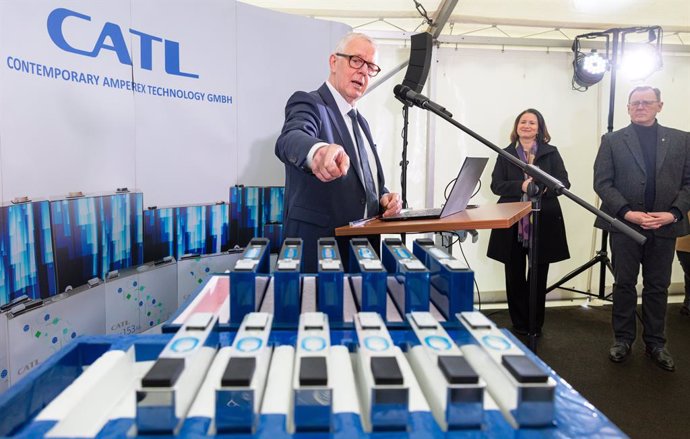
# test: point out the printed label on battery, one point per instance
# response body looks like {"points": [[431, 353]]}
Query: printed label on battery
{"points": [[327, 252], [290, 253], [184, 344], [401, 252], [365, 253], [252, 252]]}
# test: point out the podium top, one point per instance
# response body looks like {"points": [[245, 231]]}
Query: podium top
{"points": [[491, 216]]}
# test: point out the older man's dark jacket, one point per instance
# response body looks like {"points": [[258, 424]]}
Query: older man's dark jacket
{"points": [[620, 177]]}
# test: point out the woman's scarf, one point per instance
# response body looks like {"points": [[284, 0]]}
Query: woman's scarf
{"points": [[525, 223]]}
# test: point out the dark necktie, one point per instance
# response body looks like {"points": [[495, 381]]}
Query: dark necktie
{"points": [[369, 186]]}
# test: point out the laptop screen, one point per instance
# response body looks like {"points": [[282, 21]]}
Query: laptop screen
{"points": [[464, 186]]}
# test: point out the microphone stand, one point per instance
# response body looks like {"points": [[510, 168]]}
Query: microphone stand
{"points": [[548, 182], [404, 162], [535, 194]]}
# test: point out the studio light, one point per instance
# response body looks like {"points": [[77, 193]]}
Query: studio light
{"points": [[641, 58], [640, 62], [589, 68], [595, 64]]}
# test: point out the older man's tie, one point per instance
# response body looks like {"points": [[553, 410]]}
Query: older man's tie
{"points": [[369, 186]]}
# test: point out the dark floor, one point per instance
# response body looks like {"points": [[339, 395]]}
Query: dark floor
{"points": [[639, 397]]}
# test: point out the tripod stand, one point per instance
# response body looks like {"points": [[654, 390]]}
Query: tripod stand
{"points": [[602, 258]]}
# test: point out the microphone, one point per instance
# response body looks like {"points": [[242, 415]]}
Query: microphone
{"points": [[533, 189], [406, 94]]}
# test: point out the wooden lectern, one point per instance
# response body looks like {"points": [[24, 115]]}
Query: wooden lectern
{"points": [[491, 216]]}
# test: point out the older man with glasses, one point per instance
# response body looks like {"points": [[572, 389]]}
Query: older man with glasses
{"points": [[332, 170], [642, 175]]}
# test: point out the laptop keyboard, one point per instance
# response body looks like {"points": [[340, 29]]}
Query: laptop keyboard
{"points": [[423, 212]]}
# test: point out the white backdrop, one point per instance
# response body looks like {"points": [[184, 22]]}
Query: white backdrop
{"points": [[485, 89], [278, 54]]}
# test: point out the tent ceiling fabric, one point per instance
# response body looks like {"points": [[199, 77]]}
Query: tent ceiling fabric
{"points": [[543, 19]]}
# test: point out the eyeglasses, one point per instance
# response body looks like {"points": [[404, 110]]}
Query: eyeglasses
{"points": [[643, 103], [357, 62]]}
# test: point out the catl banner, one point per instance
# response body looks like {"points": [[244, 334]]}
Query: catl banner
{"points": [[100, 95], [177, 98]]}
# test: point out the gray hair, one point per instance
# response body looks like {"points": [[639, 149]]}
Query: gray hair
{"points": [[344, 41], [656, 91]]}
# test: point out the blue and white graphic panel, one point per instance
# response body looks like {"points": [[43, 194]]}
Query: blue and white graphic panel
{"points": [[36, 334], [122, 235], [160, 233], [26, 248], [4, 359], [75, 225]]}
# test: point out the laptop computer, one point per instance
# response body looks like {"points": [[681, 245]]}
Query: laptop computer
{"points": [[460, 195]]}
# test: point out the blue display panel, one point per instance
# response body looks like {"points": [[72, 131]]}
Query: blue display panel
{"points": [[191, 230], [251, 210], [273, 205], [245, 217], [160, 233], [218, 228], [122, 234], [235, 214], [202, 230], [76, 240], [26, 247], [95, 235]]}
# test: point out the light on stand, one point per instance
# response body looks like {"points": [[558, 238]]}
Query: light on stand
{"points": [[640, 62], [642, 57], [595, 64], [589, 68]]}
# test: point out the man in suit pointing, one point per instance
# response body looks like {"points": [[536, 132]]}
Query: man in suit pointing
{"points": [[332, 170], [642, 175]]}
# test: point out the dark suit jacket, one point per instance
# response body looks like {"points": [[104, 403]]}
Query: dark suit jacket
{"points": [[506, 181], [620, 176], [313, 209]]}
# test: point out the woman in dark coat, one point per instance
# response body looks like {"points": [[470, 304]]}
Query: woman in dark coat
{"points": [[530, 143]]}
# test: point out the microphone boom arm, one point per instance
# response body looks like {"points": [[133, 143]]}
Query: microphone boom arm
{"points": [[542, 177]]}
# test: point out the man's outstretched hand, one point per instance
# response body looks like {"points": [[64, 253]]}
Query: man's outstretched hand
{"points": [[330, 162]]}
